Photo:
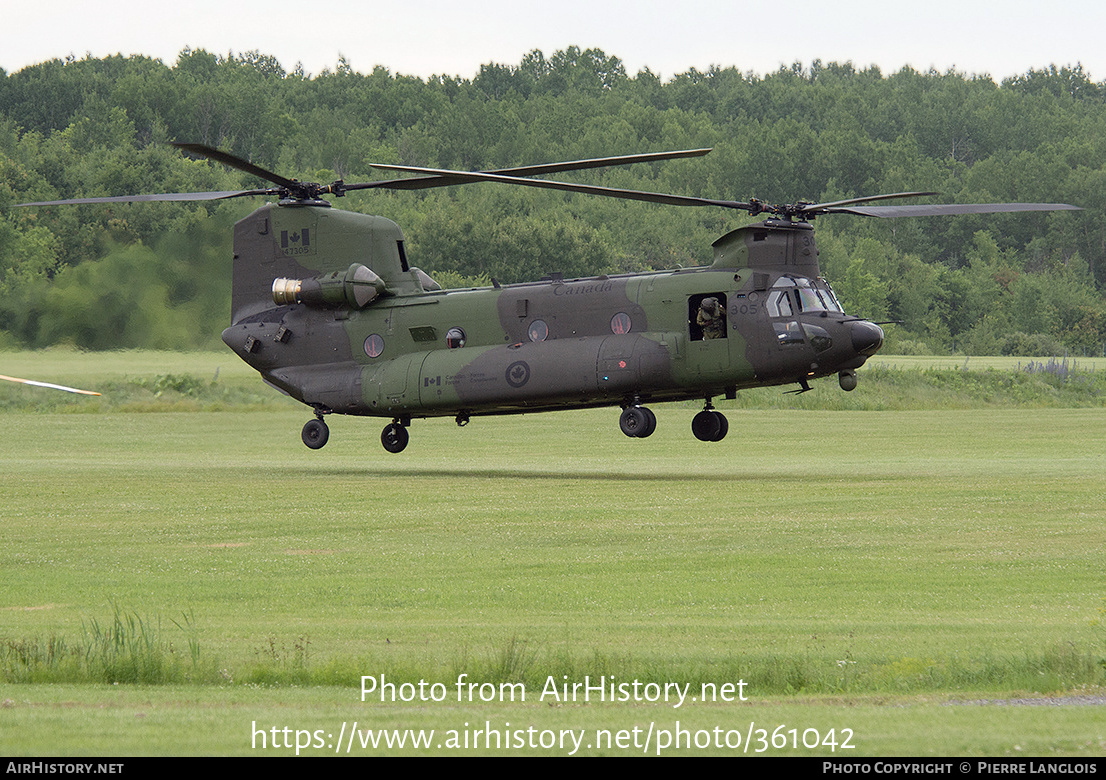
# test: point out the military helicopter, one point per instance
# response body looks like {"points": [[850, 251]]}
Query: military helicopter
{"points": [[328, 309]]}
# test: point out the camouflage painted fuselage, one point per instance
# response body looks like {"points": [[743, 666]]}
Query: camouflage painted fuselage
{"points": [[389, 344]]}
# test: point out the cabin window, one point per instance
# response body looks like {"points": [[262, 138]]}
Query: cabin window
{"points": [[455, 338], [374, 345], [423, 333], [620, 323], [706, 316], [538, 331]]}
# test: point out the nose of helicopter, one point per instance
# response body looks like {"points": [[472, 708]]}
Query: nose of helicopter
{"points": [[867, 337]]}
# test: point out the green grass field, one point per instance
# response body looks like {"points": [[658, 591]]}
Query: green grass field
{"points": [[179, 570]]}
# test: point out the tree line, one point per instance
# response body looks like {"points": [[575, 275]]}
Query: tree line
{"points": [[157, 274]]}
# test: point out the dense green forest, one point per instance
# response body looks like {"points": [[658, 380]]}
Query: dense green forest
{"points": [[157, 274]]}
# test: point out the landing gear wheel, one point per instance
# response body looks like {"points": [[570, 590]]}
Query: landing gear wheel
{"points": [[637, 422], [315, 434], [710, 425], [394, 437], [632, 421], [723, 426]]}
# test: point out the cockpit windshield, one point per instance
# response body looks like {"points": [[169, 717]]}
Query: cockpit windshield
{"points": [[815, 296], [801, 295]]}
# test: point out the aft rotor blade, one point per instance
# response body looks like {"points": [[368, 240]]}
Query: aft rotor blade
{"points": [[47, 384], [649, 197], [444, 180], [237, 162], [944, 209]]}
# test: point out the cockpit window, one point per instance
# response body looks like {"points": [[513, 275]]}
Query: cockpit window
{"points": [[831, 300], [817, 296], [819, 337], [809, 300], [788, 332], [800, 295], [809, 297], [779, 303]]}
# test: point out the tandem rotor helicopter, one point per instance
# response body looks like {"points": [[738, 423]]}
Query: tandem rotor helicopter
{"points": [[328, 309]]}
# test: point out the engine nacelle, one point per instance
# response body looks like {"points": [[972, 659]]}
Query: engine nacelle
{"points": [[356, 288]]}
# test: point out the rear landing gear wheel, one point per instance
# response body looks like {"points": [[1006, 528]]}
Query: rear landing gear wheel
{"points": [[637, 422], [315, 434], [394, 437], [710, 425]]}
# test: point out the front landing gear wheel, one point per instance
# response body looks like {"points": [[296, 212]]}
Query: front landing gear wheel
{"points": [[637, 422], [394, 437], [315, 434], [710, 425]]}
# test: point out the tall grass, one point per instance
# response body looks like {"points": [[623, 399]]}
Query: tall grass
{"points": [[128, 648]]}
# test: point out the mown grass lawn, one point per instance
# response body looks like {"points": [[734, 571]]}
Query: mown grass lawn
{"points": [[842, 563]]}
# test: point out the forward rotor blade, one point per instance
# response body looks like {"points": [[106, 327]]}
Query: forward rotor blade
{"points": [[47, 384], [868, 199], [945, 209], [445, 180], [599, 162], [649, 197]]}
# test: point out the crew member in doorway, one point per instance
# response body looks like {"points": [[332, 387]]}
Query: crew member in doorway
{"points": [[709, 319]]}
